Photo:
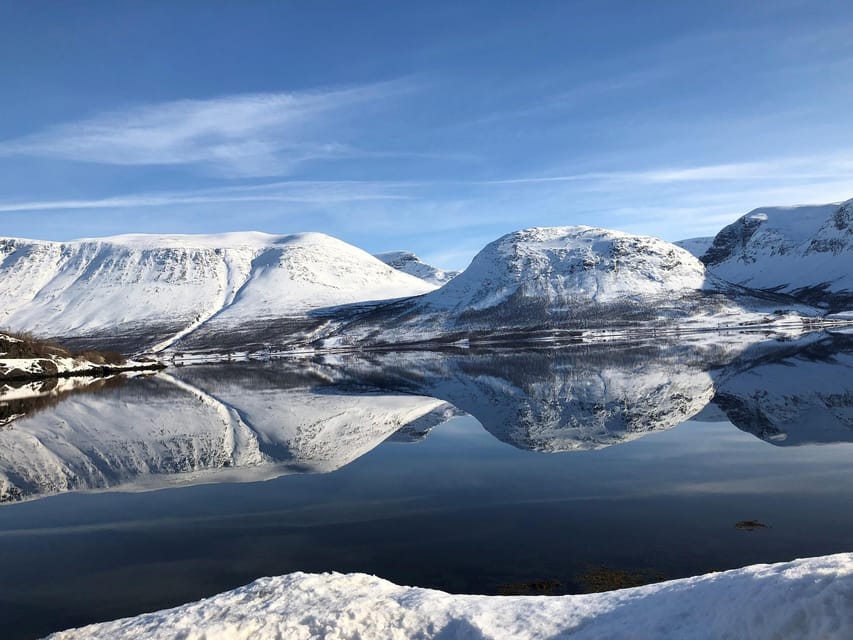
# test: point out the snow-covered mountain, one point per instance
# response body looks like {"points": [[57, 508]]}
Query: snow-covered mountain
{"points": [[249, 291], [806, 251], [566, 278], [147, 291], [408, 262], [696, 246]]}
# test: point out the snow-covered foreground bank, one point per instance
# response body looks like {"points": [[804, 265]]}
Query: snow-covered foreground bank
{"points": [[802, 599]]}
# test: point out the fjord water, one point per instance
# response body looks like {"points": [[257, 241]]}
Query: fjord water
{"points": [[549, 471]]}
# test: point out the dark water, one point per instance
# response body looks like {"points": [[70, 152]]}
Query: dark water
{"points": [[568, 471]]}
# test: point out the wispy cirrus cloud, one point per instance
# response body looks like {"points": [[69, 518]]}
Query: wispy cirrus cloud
{"points": [[795, 168], [262, 134], [309, 192]]}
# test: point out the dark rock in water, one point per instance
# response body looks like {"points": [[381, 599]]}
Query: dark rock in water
{"points": [[750, 525]]}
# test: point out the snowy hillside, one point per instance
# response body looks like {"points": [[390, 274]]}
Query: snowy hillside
{"points": [[806, 251], [148, 291], [696, 246], [408, 262], [561, 265], [567, 278], [800, 599]]}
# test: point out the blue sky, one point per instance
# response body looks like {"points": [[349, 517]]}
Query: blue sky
{"points": [[431, 126]]}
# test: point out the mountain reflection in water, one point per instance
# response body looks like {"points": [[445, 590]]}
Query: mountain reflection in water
{"points": [[253, 421]]}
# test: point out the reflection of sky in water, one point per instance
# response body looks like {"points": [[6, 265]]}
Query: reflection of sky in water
{"points": [[459, 510]]}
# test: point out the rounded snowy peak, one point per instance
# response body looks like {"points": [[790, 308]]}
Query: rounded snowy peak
{"points": [[564, 265]]}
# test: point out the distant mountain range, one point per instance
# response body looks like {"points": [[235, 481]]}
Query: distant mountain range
{"points": [[251, 291], [575, 279]]}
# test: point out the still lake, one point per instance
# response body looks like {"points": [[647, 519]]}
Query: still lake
{"points": [[516, 471]]}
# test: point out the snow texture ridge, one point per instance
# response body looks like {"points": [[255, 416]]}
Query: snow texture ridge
{"points": [[797, 600]]}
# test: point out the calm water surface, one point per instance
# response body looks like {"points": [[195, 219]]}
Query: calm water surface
{"points": [[476, 473]]}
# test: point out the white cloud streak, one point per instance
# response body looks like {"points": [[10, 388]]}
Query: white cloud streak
{"points": [[261, 134], [809, 168], [296, 192]]}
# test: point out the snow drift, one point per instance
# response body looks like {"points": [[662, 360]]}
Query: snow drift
{"points": [[810, 598]]}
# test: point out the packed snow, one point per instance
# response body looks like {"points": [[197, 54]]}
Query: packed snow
{"points": [[408, 262], [696, 246], [803, 599]]}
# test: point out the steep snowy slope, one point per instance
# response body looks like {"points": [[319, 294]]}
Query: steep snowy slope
{"points": [[408, 262], [147, 291], [566, 278], [806, 251], [696, 246]]}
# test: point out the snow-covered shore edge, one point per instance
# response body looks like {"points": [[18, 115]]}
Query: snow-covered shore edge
{"points": [[27, 369], [802, 599]]}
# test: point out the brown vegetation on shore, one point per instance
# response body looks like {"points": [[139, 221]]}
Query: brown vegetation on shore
{"points": [[24, 344]]}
